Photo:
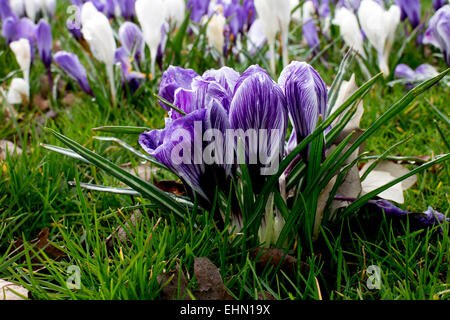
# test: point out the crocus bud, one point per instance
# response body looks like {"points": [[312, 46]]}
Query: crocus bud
{"points": [[44, 42], [70, 63], [22, 50], [349, 28], [32, 8], [175, 11], [379, 25], [410, 9], [98, 33], [18, 92], [130, 36], [126, 8], [214, 32], [266, 10], [151, 16], [18, 7], [306, 95]]}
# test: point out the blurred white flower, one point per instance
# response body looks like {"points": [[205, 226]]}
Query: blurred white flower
{"points": [[151, 16], [99, 35], [32, 8], [18, 92], [22, 51], [214, 32], [349, 28], [379, 25], [175, 11], [17, 6]]}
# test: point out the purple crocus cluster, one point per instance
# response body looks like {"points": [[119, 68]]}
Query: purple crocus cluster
{"points": [[38, 35], [226, 100], [111, 8]]}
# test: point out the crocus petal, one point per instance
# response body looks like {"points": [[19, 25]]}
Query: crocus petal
{"points": [[5, 10], [172, 79], [349, 28], [311, 35], [225, 76], [306, 96], [18, 92], [256, 37], [44, 42], [126, 8], [130, 36], [259, 103], [198, 9], [404, 71], [22, 50], [70, 63], [410, 9]]}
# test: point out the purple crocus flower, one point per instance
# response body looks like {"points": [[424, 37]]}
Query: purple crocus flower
{"points": [[411, 10], [70, 63], [172, 79], [198, 9], [438, 32], [306, 96], [437, 4], [311, 35], [110, 8], [131, 77], [44, 42], [126, 8], [9, 27], [130, 36], [414, 77], [428, 218], [99, 4], [5, 10]]}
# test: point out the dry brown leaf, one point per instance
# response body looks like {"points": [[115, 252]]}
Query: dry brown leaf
{"points": [[12, 291], [171, 186], [209, 280]]}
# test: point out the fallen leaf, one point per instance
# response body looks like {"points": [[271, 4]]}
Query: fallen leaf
{"points": [[171, 282], [12, 291], [383, 173], [40, 243], [41, 103], [264, 295], [209, 280], [278, 259]]}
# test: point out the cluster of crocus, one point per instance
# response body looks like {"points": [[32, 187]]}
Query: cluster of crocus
{"points": [[224, 100], [438, 32], [111, 8], [24, 37]]}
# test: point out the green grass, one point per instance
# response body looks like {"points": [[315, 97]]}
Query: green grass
{"points": [[34, 194]]}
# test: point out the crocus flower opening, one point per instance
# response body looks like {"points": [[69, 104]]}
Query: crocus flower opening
{"points": [[70, 63], [414, 77], [438, 32]]}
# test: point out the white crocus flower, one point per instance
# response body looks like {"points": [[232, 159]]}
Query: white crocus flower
{"points": [[99, 35], [17, 6], [379, 25], [18, 92], [284, 18], [32, 8], [349, 28], [151, 17], [22, 51], [266, 10], [49, 6], [214, 31], [175, 11]]}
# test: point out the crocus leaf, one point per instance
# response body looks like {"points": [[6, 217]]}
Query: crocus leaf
{"points": [[146, 189]]}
